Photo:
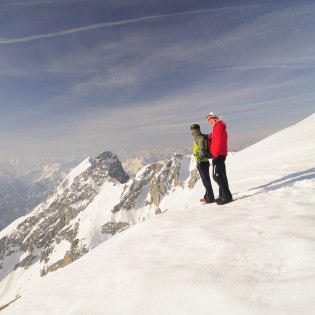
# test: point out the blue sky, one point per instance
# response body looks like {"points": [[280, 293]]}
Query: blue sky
{"points": [[81, 77]]}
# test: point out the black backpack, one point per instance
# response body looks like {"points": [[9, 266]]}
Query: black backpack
{"points": [[208, 145]]}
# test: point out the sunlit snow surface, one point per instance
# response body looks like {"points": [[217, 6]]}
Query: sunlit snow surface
{"points": [[253, 256]]}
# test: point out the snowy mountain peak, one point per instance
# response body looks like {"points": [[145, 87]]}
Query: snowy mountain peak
{"points": [[105, 166], [39, 235]]}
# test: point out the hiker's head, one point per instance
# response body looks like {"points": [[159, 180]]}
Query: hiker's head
{"points": [[194, 127], [195, 130], [212, 118]]}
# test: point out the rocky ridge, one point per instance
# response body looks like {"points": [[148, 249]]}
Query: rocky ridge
{"points": [[94, 202]]}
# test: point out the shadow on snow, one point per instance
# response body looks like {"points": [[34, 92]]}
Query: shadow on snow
{"points": [[287, 180]]}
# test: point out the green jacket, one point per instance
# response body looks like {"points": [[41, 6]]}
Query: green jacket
{"points": [[200, 147]]}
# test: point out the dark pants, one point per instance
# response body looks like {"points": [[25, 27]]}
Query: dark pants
{"points": [[219, 175], [203, 169]]}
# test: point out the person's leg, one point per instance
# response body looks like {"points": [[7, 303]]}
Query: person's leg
{"points": [[203, 169], [215, 179], [219, 175], [226, 182], [220, 193]]}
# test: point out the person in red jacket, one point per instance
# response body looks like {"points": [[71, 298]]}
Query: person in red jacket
{"points": [[219, 151]]}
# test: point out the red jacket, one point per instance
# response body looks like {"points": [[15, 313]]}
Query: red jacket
{"points": [[219, 140]]}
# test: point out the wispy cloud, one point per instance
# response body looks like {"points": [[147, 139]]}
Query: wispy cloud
{"points": [[41, 2], [6, 41], [163, 122]]}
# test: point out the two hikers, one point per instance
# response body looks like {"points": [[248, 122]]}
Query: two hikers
{"points": [[218, 150]]}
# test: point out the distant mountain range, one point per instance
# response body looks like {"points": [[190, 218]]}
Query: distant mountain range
{"points": [[26, 183], [134, 161]]}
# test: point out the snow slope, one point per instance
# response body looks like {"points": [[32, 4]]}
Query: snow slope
{"points": [[253, 256]]}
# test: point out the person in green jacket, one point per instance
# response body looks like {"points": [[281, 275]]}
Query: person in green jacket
{"points": [[203, 165]]}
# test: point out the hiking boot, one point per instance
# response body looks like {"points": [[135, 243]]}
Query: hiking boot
{"points": [[223, 201], [203, 200], [219, 198]]}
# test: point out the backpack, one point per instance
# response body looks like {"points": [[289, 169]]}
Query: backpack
{"points": [[208, 145]]}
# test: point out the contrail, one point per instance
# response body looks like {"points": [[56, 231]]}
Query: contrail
{"points": [[5, 41], [36, 2]]}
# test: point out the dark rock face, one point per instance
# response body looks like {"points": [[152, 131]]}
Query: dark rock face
{"points": [[158, 178], [108, 163], [113, 227]]}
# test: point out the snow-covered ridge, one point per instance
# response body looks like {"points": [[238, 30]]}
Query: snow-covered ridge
{"points": [[83, 166]]}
